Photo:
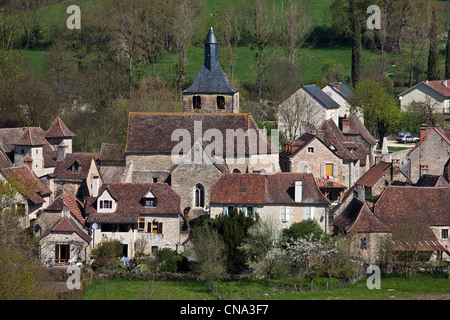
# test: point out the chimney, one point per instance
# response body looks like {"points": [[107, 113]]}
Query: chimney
{"points": [[423, 130], [336, 85], [95, 186], [61, 152], [360, 193], [320, 134], [445, 83], [303, 125], [298, 191], [345, 125]]}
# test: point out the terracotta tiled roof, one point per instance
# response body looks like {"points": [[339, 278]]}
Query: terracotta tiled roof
{"points": [[358, 217], [281, 189], [239, 188], [335, 139], [129, 206], [398, 202], [357, 128], [424, 245], [438, 85], [374, 174], [151, 133], [329, 183], [58, 130], [74, 205], [67, 225], [28, 183], [63, 168], [29, 138], [292, 147], [278, 188]]}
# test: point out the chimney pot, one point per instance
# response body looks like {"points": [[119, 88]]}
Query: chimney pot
{"points": [[298, 191], [345, 125]]}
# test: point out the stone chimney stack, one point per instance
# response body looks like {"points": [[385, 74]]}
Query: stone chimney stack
{"points": [[298, 191], [345, 125], [61, 152]]}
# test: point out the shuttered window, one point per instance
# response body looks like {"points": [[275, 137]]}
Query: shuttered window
{"points": [[329, 169]]}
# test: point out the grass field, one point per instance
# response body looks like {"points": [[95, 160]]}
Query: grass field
{"points": [[418, 287]]}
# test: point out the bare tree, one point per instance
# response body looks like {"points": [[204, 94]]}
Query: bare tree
{"points": [[298, 107], [296, 26]]}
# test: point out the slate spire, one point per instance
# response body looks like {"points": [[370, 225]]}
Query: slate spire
{"points": [[211, 50]]}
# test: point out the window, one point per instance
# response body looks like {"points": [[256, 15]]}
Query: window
{"points": [[423, 169], [284, 214], [309, 213], [199, 195], [106, 204], [157, 227], [141, 224], [221, 102], [444, 233], [149, 202], [328, 169], [303, 167], [155, 180], [310, 149], [197, 102], [363, 244], [75, 167]]}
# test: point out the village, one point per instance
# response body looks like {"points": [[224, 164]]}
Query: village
{"points": [[318, 164]]}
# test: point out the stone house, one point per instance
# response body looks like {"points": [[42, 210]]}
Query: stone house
{"points": [[211, 91], [111, 162], [309, 104], [61, 233], [436, 93], [325, 153], [282, 198], [145, 217], [429, 155], [35, 147], [33, 194], [342, 94], [354, 130], [379, 176], [76, 174], [371, 224], [190, 150]]}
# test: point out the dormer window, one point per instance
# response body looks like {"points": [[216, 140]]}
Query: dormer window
{"points": [[149, 199], [75, 167]]}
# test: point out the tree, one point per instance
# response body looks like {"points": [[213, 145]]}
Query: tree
{"points": [[210, 253], [433, 54], [259, 241], [379, 108], [296, 25], [306, 229], [356, 44], [447, 57], [21, 275], [261, 22]]}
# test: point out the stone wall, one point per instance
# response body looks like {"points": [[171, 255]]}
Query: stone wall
{"points": [[209, 103]]}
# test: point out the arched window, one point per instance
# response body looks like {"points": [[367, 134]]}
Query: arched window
{"points": [[221, 102], [197, 102], [199, 195], [236, 170]]}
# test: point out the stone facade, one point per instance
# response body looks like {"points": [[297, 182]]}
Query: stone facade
{"points": [[212, 103], [430, 154]]}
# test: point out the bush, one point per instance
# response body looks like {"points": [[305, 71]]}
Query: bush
{"points": [[302, 230]]}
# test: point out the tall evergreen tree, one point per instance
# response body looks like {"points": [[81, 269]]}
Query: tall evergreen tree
{"points": [[447, 57], [433, 54], [356, 46]]}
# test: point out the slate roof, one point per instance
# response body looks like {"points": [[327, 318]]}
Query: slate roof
{"points": [[58, 130], [275, 188], [28, 182], [321, 97], [63, 168], [151, 133], [129, 206], [342, 89], [211, 79]]}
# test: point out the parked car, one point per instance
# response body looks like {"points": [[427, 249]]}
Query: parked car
{"points": [[411, 139], [401, 136]]}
